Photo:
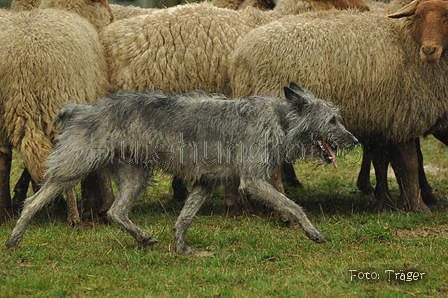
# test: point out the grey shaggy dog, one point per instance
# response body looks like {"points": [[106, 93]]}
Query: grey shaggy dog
{"points": [[209, 139]]}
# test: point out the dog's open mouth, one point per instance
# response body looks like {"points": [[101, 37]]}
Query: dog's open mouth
{"points": [[326, 153]]}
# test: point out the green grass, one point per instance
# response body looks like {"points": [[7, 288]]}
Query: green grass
{"points": [[247, 256]]}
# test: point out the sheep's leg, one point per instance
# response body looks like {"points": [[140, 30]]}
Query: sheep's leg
{"points": [[381, 164], [132, 180], [21, 188], [277, 182], [32, 205], [97, 194], [197, 196], [106, 192], [428, 195], [5, 196], [233, 200], [405, 164], [72, 208], [267, 194], [363, 181], [180, 191], [289, 176]]}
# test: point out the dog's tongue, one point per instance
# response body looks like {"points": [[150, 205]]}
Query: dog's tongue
{"points": [[330, 153]]}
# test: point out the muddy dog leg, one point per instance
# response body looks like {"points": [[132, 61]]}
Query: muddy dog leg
{"points": [[132, 180], [32, 205], [197, 197], [267, 194]]}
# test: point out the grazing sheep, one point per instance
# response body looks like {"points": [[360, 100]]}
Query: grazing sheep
{"points": [[179, 49], [242, 140], [355, 61], [49, 57]]}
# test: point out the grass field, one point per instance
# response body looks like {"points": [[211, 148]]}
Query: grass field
{"points": [[370, 253]]}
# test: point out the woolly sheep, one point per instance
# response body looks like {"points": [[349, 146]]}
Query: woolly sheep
{"points": [[118, 11], [125, 12], [353, 60], [241, 4], [48, 58], [287, 7], [178, 49], [24, 5], [382, 160]]}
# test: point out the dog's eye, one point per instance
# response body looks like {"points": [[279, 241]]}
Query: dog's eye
{"points": [[333, 120]]}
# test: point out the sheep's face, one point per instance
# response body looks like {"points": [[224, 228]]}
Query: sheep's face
{"points": [[431, 27]]}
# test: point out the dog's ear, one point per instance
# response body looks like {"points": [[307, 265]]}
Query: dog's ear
{"points": [[297, 100], [294, 86]]}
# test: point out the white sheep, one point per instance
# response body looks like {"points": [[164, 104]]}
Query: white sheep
{"points": [[368, 64], [178, 49], [49, 57]]}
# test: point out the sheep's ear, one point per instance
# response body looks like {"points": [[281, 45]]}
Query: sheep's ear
{"points": [[406, 11], [298, 101]]}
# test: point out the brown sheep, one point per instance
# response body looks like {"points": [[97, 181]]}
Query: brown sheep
{"points": [[49, 57], [382, 158], [334, 54]]}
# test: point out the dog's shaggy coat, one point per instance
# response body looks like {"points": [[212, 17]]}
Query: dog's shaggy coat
{"points": [[207, 139]]}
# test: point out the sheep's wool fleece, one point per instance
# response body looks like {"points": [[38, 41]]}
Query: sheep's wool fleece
{"points": [[178, 49], [367, 63], [48, 58], [98, 12], [23, 5], [125, 12]]}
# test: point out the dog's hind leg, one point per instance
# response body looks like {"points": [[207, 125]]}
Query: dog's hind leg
{"points": [[32, 205], [267, 194], [195, 199], [132, 180]]}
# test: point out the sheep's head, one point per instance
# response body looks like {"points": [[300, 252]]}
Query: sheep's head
{"points": [[431, 26]]}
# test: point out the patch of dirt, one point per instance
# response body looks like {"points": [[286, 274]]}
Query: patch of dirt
{"points": [[424, 232]]}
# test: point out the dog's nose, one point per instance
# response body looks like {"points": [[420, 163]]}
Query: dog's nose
{"points": [[355, 141]]}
